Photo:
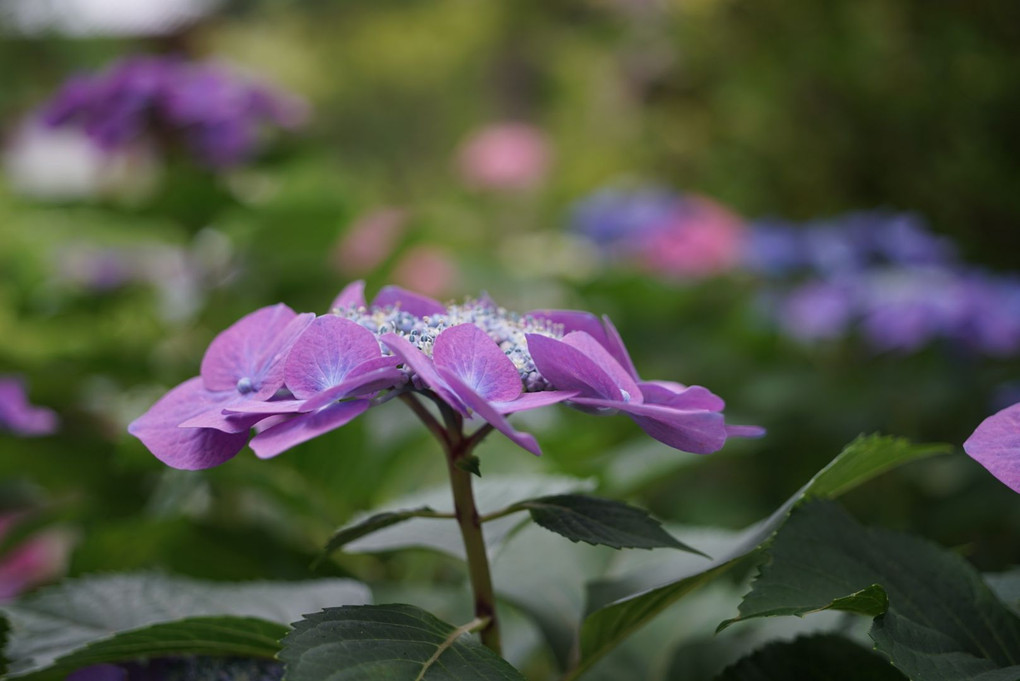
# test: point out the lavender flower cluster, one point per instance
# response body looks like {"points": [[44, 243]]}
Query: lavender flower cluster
{"points": [[216, 113], [887, 276], [293, 377]]}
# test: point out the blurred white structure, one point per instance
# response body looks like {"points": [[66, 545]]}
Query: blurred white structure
{"points": [[101, 17]]}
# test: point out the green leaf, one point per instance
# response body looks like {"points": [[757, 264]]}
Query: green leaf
{"points": [[117, 617], [1006, 586], [372, 524], [493, 493], [600, 522], [942, 622], [471, 464], [863, 459], [823, 657], [392, 642]]}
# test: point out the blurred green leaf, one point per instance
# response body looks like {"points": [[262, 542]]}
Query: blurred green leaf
{"points": [[939, 620], [372, 524], [119, 617], [396, 642]]}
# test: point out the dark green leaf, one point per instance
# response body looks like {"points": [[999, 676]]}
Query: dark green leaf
{"points": [[126, 616], [372, 524], [942, 621], [602, 522], [1006, 586], [825, 657], [863, 459], [471, 464], [387, 642]]}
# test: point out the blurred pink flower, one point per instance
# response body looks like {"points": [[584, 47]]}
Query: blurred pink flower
{"points": [[429, 270], [505, 156], [37, 560], [369, 241], [699, 238]]}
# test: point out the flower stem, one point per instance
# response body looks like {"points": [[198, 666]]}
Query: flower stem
{"points": [[474, 544]]}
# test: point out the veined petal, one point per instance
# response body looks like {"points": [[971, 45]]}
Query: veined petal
{"points": [[600, 355], [691, 430], [352, 296], [304, 427], [527, 401], [568, 368], [325, 353], [486, 411], [362, 383], [424, 368], [264, 408], [408, 301], [995, 444], [470, 354], [602, 330], [187, 448], [271, 379], [238, 350]]}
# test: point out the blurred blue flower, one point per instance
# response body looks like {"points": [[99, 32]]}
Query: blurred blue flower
{"points": [[216, 113]]}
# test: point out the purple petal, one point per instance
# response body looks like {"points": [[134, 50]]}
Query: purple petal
{"points": [[995, 444], [248, 355], [21, 417], [471, 354], [408, 301], [614, 344], [304, 427], [263, 408], [744, 431], [598, 353], [423, 367], [353, 296], [696, 431], [568, 368], [680, 396], [602, 330], [187, 448], [325, 353], [528, 401], [487, 412], [359, 383]]}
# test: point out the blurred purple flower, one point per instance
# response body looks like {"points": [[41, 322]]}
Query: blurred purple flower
{"points": [[614, 218], [217, 113], [293, 378], [20, 417], [817, 310], [906, 308], [995, 444]]}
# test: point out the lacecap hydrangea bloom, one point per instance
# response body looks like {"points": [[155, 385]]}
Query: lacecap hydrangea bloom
{"points": [[293, 376], [216, 113]]}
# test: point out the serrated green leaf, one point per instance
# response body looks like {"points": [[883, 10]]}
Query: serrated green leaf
{"points": [[942, 621], [387, 643], [55, 628], [371, 524], [824, 657], [493, 493], [863, 459], [601, 522]]}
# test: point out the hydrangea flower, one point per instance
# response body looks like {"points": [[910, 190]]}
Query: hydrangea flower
{"points": [[995, 444], [18, 415], [216, 113], [293, 377]]}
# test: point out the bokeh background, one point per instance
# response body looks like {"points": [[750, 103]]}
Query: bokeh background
{"points": [[810, 208]]}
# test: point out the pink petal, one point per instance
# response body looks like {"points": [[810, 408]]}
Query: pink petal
{"points": [[487, 412], [325, 353], [304, 427], [423, 367], [408, 301], [995, 444], [187, 448], [474, 357], [353, 296]]}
